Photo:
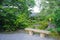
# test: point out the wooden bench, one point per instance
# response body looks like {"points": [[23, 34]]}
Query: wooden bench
{"points": [[42, 32]]}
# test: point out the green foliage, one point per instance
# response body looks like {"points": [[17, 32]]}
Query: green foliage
{"points": [[51, 12], [30, 3], [38, 22], [43, 25], [13, 15], [57, 20]]}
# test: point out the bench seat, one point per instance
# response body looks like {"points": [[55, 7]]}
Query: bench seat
{"points": [[42, 32]]}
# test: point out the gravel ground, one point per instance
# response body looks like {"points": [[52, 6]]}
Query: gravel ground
{"points": [[22, 36]]}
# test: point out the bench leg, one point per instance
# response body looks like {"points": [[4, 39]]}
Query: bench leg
{"points": [[30, 33], [42, 35]]}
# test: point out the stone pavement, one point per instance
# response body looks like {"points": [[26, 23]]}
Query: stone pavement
{"points": [[22, 36]]}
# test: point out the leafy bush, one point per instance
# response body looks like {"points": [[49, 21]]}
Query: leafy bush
{"points": [[13, 15], [51, 9], [43, 25]]}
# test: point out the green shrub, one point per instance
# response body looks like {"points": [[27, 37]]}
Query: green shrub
{"points": [[52, 12], [43, 25], [13, 15]]}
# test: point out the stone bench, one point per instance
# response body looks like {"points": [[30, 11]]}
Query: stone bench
{"points": [[42, 32]]}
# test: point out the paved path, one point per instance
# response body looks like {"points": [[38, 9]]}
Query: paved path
{"points": [[22, 36]]}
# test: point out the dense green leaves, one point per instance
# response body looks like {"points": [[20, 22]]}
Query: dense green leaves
{"points": [[51, 10], [30, 3], [13, 15]]}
